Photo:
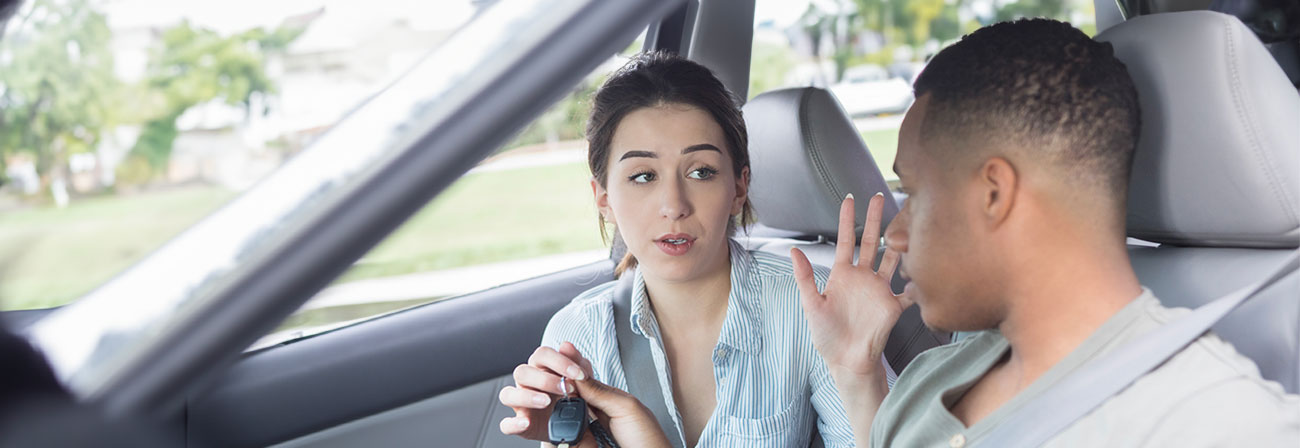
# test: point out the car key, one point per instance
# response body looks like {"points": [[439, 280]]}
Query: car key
{"points": [[568, 419]]}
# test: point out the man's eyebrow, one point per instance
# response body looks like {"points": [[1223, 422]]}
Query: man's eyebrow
{"points": [[700, 147], [631, 154]]}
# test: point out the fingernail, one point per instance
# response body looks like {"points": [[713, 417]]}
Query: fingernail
{"points": [[541, 400], [849, 196], [521, 423], [575, 373], [880, 194]]}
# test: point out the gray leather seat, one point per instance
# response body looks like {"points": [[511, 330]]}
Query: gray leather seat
{"points": [[805, 156], [1216, 178]]}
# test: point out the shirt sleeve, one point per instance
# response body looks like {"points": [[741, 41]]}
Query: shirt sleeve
{"points": [[573, 324], [832, 421], [1232, 413]]}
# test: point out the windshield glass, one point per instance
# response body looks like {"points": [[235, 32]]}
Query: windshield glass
{"points": [[87, 340]]}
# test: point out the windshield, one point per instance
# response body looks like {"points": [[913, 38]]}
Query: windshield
{"points": [[87, 341]]}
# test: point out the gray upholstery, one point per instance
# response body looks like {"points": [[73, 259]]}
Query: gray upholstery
{"points": [[1216, 173], [1219, 158], [467, 417], [805, 156]]}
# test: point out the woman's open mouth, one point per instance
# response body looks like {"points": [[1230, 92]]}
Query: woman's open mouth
{"points": [[676, 244]]}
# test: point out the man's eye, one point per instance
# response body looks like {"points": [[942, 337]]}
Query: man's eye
{"points": [[702, 173], [641, 178]]}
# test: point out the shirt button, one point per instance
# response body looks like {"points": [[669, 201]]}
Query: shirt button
{"points": [[957, 441], [722, 352]]}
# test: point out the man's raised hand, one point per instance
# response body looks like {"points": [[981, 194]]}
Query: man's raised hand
{"points": [[851, 318]]}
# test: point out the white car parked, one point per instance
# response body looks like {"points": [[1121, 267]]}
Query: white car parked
{"points": [[869, 90]]}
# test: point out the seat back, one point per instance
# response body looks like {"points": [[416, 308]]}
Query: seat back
{"points": [[1216, 176]]}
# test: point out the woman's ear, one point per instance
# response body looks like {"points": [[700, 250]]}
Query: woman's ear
{"points": [[742, 192], [602, 201]]}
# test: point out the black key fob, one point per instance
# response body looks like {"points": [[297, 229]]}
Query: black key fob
{"points": [[568, 421]]}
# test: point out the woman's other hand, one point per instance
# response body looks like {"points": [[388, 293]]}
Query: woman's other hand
{"points": [[630, 423]]}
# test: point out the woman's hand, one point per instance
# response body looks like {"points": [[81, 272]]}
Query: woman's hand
{"points": [[537, 387], [630, 422]]}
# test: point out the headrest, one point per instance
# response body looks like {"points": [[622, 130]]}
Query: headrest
{"points": [[1218, 161], [805, 155]]}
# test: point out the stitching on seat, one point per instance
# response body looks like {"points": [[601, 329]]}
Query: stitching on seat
{"points": [[810, 142], [1252, 132]]}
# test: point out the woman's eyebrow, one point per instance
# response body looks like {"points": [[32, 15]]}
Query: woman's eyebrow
{"points": [[631, 154], [700, 147]]}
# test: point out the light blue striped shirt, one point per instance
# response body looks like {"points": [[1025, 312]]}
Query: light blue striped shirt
{"points": [[771, 383]]}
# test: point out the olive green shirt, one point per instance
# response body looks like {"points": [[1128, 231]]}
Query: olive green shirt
{"points": [[1206, 395]]}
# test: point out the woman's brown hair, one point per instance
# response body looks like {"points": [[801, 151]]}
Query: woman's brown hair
{"points": [[653, 79]]}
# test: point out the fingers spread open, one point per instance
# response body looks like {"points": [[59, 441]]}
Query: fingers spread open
{"points": [[888, 263], [845, 243], [871, 228], [803, 275]]}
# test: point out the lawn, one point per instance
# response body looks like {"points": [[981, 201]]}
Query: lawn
{"points": [[51, 256]]}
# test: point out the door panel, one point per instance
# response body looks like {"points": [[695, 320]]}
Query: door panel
{"points": [[453, 347]]}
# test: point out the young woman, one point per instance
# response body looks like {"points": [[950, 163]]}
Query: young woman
{"points": [[669, 159]]}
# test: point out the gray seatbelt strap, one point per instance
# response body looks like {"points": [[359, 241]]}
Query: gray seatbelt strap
{"points": [[638, 365], [1081, 392]]}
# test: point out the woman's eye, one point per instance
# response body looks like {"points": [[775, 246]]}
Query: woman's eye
{"points": [[641, 178], [702, 173]]}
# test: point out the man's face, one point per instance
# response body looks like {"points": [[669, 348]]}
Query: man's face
{"points": [[938, 235]]}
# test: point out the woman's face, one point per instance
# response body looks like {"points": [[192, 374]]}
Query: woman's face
{"points": [[671, 191]]}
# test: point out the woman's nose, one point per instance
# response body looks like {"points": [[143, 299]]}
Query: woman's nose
{"points": [[674, 204]]}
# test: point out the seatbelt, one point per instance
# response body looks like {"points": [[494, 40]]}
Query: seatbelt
{"points": [[1086, 389], [638, 364]]}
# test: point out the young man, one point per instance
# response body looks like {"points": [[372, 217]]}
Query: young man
{"points": [[1016, 160]]}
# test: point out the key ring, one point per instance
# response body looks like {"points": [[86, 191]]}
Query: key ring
{"points": [[564, 387]]}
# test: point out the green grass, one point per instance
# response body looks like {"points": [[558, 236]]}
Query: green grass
{"points": [[50, 256], [883, 144], [491, 217]]}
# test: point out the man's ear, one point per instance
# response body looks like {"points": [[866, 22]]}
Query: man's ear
{"points": [[742, 192], [999, 183], [602, 201]]}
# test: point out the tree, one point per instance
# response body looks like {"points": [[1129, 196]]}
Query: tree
{"points": [[59, 91], [196, 65]]}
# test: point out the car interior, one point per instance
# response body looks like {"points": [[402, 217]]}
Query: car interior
{"points": [[1214, 203]]}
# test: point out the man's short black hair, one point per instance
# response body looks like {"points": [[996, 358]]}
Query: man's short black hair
{"points": [[1042, 86]]}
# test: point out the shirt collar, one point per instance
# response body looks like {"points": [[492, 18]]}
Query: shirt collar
{"points": [[740, 327]]}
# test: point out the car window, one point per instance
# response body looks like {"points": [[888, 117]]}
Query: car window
{"points": [[523, 212], [314, 205], [868, 52], [126, 121]]}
